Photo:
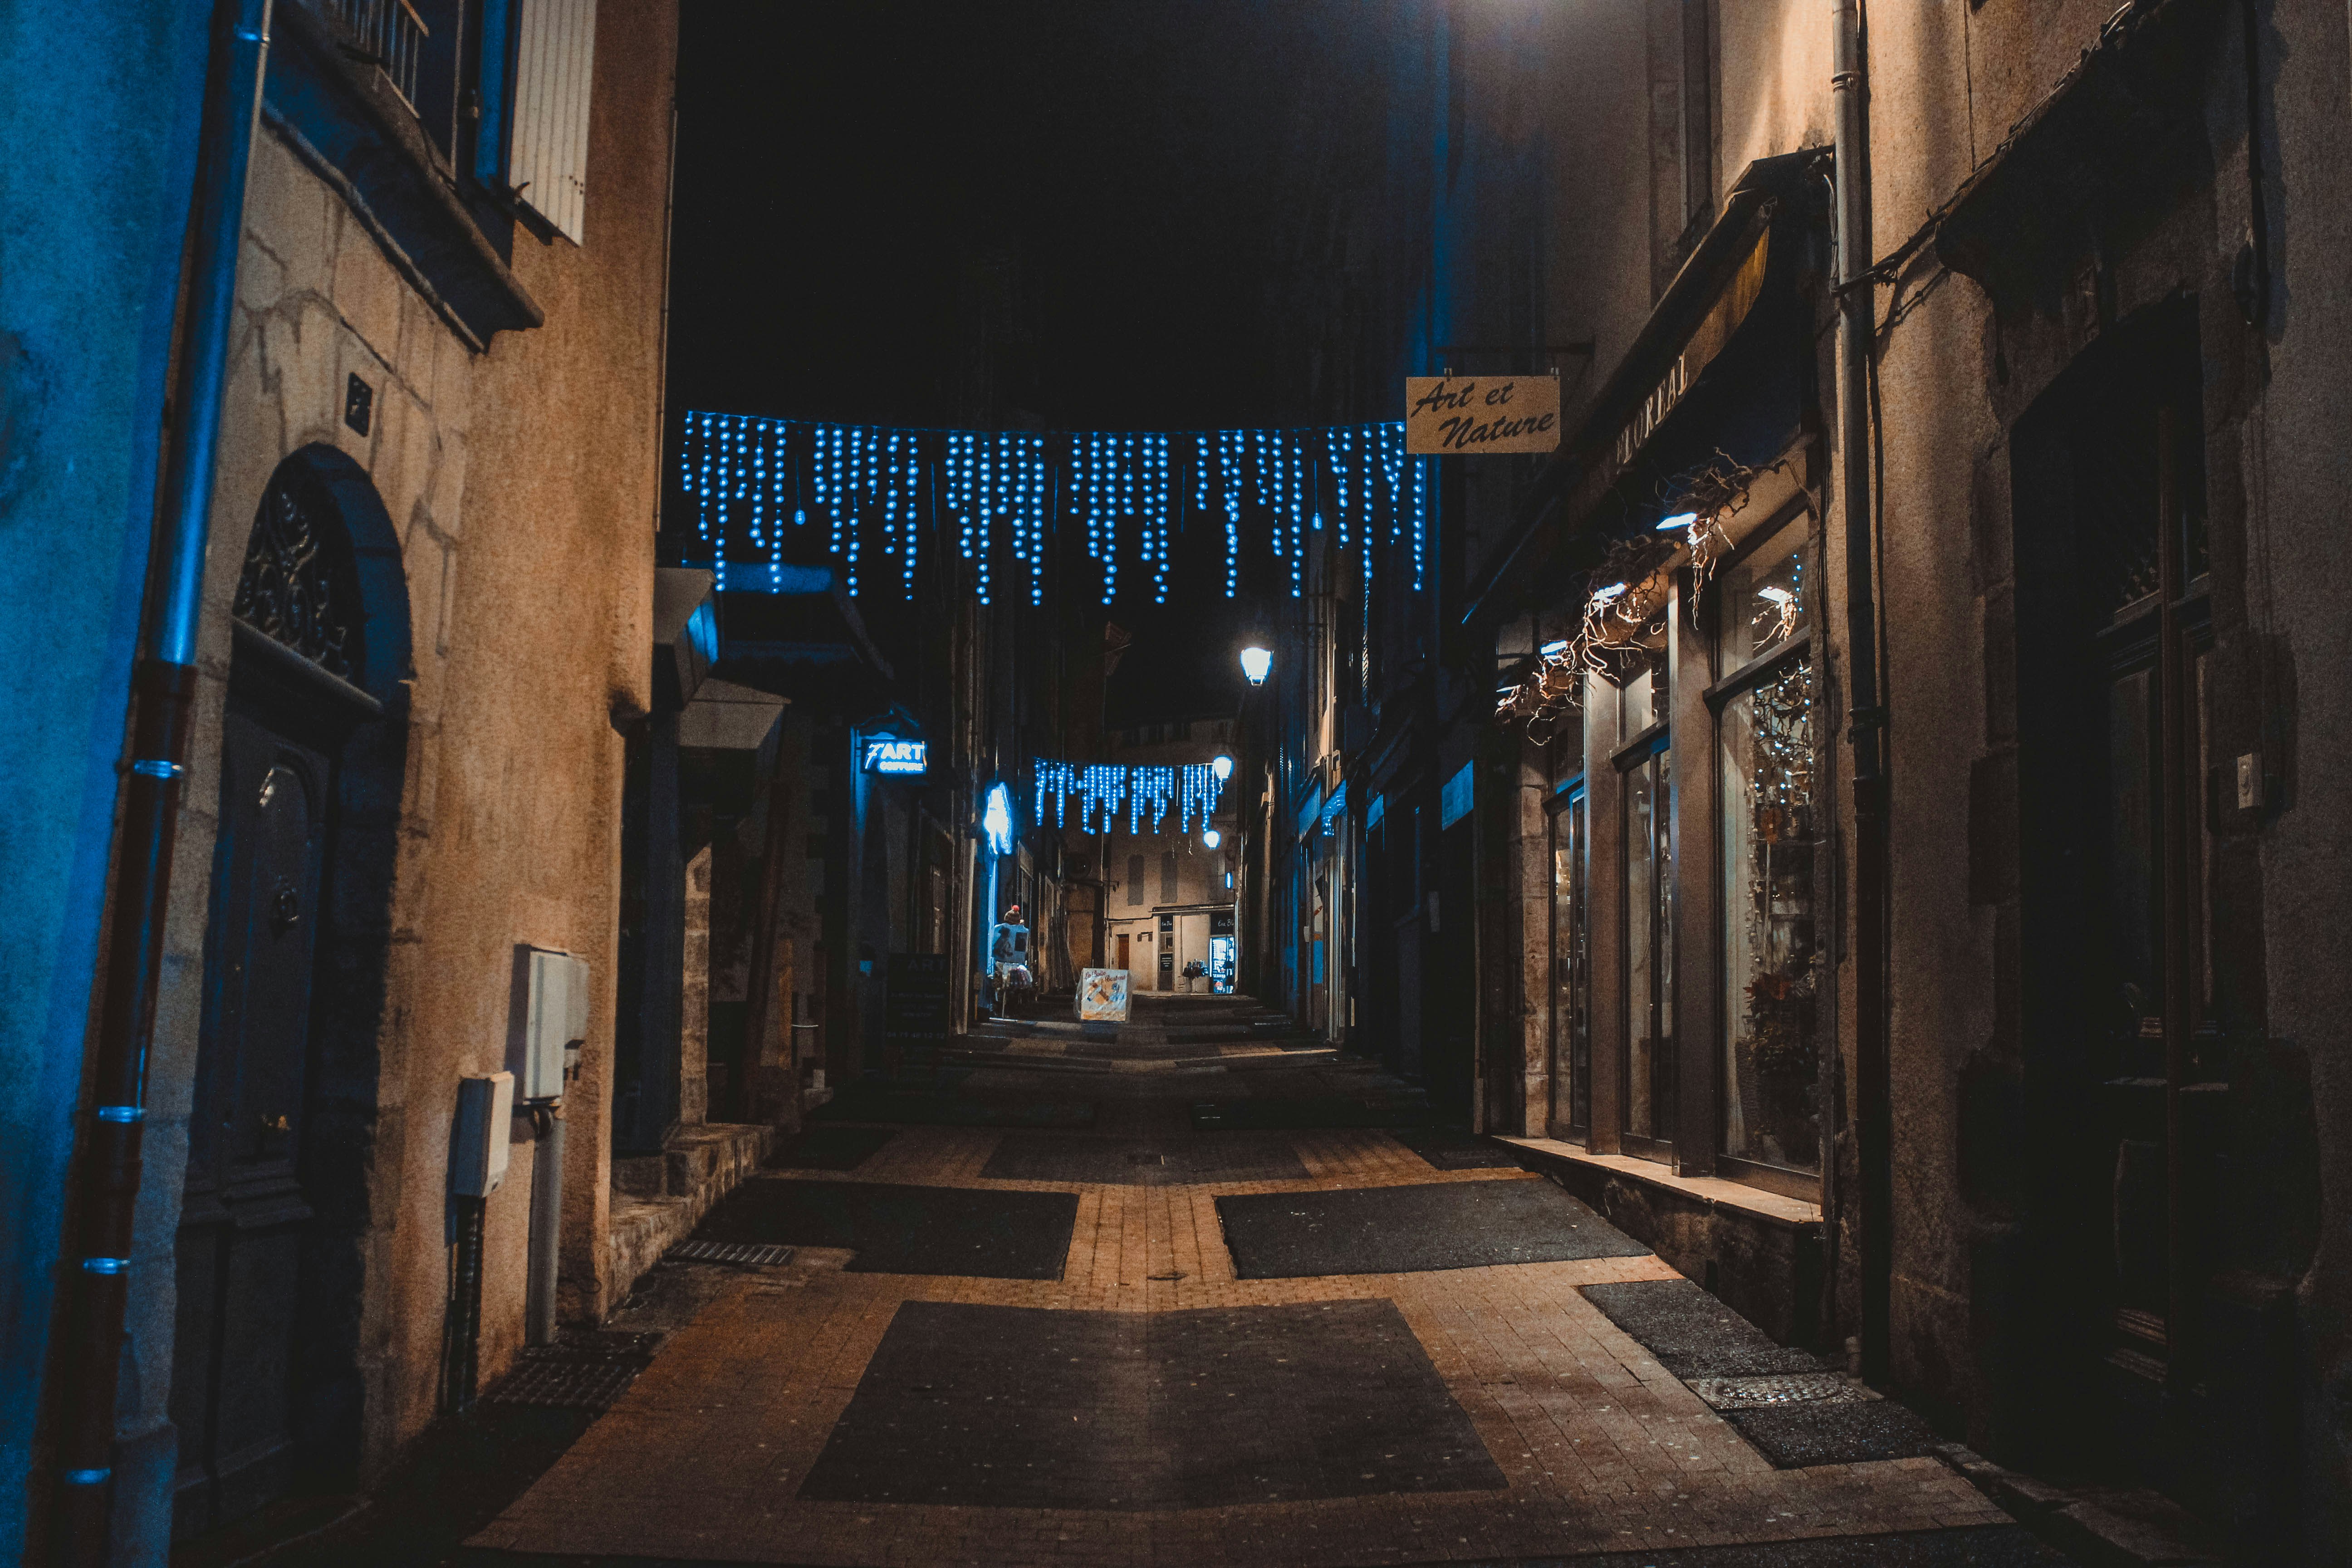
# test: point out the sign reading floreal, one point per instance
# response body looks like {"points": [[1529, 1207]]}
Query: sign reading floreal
{"points": [[1450, 414]]}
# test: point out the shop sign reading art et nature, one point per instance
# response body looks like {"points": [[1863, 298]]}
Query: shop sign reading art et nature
{"points": [[1449, 413]]}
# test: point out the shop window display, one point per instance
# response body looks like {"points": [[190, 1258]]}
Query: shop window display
{"points": [[1650, 1055], [1774, 862]]}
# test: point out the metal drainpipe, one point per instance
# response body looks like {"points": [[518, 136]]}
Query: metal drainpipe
{"points": [[546, 1223], [162, 691], [1849, 91]]}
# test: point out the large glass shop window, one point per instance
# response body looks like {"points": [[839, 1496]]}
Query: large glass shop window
{"points": [[1571, 1014], [1650, 1062], [1774, 862]]}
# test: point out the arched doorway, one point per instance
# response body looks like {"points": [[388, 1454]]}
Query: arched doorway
{"points": [[264, 1384]]}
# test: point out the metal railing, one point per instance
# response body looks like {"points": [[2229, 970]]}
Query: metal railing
{"points": [[386, 34]]}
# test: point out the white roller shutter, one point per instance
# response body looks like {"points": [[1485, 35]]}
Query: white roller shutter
{"points": [[547, 150]]}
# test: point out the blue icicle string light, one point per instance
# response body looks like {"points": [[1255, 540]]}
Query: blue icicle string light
{"points": [[758, 487], [1101, 788]]}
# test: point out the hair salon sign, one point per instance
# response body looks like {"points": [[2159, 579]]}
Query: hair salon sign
{"points": [[1450, 414]]}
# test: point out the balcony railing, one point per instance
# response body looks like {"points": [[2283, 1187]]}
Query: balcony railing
{"points": [[386, 34]]}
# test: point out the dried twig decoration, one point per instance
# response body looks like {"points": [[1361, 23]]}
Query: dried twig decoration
{"points": [[1626, 595]]}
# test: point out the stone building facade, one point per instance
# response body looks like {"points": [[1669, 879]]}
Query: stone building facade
{"points": [[2076, 1188], [425, 636]]}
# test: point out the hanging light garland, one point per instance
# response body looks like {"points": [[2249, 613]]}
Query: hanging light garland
{"points": [[1101, 788], [758, 485]]}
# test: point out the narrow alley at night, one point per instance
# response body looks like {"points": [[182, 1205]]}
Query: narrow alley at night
{"points": [[1196, 782]]}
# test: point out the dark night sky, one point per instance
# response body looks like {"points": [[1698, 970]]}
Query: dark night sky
{"points": [[841, 167]]}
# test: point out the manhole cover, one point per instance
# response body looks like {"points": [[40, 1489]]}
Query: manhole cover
{"points": [[1779, 1391], [730, 1252]]}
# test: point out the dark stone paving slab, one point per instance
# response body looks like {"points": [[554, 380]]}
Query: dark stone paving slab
{"points": [[1451, 1149], [1799, 1435], [1695, 1336], [831, 1148], [897, 1229], [1134, 1411], [952, 1110], [1405, 1230], [1692, 1334], [1984, 1546], [1270, 1109], [1219, 1157]]}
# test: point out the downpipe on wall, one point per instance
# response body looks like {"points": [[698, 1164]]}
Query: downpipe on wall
{"points": [[106, 1179], [546, 1224], [1850, 95]]}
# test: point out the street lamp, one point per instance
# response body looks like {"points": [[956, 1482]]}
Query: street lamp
{"points": [[1256, 662], [1210, 838], [1223, 768]]}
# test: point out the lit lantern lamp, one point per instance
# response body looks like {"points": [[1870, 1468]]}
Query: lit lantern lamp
{"points": [[1223, 768], [1255, 663], [1210, 838]]}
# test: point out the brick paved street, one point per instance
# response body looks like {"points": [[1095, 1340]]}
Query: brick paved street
{"points": [[1147, 1406]]}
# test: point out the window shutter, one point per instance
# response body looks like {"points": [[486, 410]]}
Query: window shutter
{"points": [[1135, 878], [547, 145]]}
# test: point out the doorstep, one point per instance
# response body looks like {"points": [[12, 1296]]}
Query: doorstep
{"points": [[1757, 1252], [658, 1199]]}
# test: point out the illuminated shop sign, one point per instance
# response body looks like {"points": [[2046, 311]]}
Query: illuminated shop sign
{"points": [[888, 754]]}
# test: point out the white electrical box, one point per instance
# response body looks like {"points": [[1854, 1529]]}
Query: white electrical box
{"points": [[548, 1019], [478, 1150]]}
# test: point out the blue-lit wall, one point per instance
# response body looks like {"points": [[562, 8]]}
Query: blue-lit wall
{"points": [[100, 119]]}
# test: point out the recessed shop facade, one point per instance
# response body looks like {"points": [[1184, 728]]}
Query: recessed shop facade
{"points": [[1661, 786]]}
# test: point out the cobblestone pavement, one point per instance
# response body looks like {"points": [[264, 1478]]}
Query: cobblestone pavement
{"points": [[1150, 1407]]}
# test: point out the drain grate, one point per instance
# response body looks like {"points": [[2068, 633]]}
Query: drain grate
{"points": [[586, 1375], [1780, 1391], [765, 1257]]}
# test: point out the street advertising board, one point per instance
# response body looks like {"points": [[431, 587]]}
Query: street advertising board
{"points": [[1102, 995], [915, 998]]}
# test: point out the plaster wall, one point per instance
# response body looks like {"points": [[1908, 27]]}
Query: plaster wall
{"points": [[2293, 447], [84, 351], [1934, 423]]}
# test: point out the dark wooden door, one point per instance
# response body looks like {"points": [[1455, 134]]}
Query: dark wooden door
{"points": [[244, 1215], [2149, 964]]}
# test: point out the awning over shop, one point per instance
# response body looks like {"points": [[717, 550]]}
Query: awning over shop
{"points": [[1718, 365], [1310, 810], [1333, 807]]}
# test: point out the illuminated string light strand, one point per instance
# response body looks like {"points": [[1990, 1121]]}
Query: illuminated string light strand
{"points": [[1101, 789], [1003, 495]]}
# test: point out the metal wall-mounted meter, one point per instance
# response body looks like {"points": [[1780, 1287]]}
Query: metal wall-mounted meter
{"points": [[547, 1020]]}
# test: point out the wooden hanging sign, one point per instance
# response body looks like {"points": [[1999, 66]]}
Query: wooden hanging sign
{"points": [[1473, 413]]}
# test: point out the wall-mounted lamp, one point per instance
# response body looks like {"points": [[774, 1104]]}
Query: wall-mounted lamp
{"points": [[1255, 663], [1222, 767], [1210, 838]]}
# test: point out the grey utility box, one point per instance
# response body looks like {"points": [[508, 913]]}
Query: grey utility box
{"points": [[547, 1020], [478, 1149]]}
